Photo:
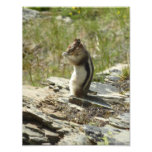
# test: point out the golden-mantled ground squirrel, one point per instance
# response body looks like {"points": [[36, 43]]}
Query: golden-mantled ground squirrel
{"points": [[82, 75]]}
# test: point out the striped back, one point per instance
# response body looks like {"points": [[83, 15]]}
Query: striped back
{"points": [[90, 70]]}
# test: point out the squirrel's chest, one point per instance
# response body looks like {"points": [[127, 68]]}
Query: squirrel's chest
{"points": [[79, 75]]}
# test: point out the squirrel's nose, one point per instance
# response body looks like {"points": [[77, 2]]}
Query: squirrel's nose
{"points": [[64, 54]]}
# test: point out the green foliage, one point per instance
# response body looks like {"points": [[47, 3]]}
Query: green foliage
{"points": [[125, 73], [104, 31], [40, 8], [105, 139], [99, 143]]}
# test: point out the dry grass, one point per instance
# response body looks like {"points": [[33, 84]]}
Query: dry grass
{"points": [[104, 31]]}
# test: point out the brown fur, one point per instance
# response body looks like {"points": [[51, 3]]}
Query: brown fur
{"points": [[80, 62], [75, 49], [78, 56], [80, 93]]}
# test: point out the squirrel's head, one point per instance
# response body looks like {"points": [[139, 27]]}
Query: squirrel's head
{"points": [[75, 52]]}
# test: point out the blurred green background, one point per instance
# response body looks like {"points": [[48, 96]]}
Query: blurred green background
{"points": [[104, 31]]}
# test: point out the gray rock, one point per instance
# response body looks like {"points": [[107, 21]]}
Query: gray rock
{"points": [[57, 125], [127, 100], [75, 139], [52, 136], [51, 87], [35, 115], [103, 89], [56, 89], [121, 121], [37, 140], [59, 17], [45, 122], [32, 132], [113, 100], [108, 93], [32, 127], [35, 95], [118, 124], [123, 138], [88, 101], [116, 136], [102, 119], [51, 83], [125, 85], [124, 117], [29, 14], [57, 115], [64, 131], [58, 81], [107, 135], [114, 70], [63, 99], [94, 133], [112, 78], [127, 93], [76, 106], [66, 100], [32, 135], [46, 144], [65, 19]]}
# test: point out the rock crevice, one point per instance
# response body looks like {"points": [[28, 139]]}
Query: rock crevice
{"points": [[51, 117]]}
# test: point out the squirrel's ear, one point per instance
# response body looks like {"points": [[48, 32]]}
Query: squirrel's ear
{"points": [[77, 40]]}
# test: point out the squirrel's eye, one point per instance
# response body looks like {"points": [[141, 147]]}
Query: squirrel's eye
{"points": [[70, 52]]}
